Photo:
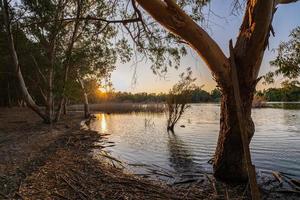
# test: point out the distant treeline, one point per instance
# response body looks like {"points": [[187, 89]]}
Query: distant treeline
{"points": [[198, 95], [290, 91]]}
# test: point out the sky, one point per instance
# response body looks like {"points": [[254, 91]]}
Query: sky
{"points": [[222, 26]]}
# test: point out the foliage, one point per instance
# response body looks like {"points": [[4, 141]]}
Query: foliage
{"points": [[43, 32], [103, 37], [216, 94], [290, 91], [287, 62], [9, 88], [149, 40], [96, 96]]}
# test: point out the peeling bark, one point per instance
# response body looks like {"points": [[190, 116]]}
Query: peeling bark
{"points": [[229, 163]]}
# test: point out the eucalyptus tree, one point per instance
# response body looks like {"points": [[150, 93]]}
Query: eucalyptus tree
{"points": [[58, 28], [45, 36], [246, 55], [15, 60], [10, 87]]}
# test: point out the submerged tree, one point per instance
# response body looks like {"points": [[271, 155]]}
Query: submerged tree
{"points": [[179, 97], [246, 56]]}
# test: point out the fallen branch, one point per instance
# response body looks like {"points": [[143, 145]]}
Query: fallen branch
{"points": [[278, 177], [80, 192]]}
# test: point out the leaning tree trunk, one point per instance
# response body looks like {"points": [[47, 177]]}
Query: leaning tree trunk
{"points": [[26, 96], [229, 163]]}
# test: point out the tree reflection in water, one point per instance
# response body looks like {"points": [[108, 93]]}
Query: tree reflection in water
{"points": [[181, 158]]}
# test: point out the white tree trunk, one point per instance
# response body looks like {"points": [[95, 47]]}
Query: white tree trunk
{"points": [[26, 96], [85, 99]]}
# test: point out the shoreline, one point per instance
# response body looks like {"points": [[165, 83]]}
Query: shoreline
{"points": [[56, 162]]}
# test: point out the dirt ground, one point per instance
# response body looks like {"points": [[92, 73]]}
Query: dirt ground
{"points": [[40, 161]]}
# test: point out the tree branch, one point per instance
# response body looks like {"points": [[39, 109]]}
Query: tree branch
{"points": [[253, 37], [285, 1], [88, 18], [173, 18]]}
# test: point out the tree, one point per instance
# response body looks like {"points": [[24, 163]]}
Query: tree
{"points": [[67, 46], [216, 94], [26, 95], [179, 97], [246, 55], [93, 62], [9, 90]]}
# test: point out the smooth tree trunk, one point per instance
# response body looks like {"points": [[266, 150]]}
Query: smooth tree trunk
{"points": [[26, 96], [85, 99], [229, 162]]}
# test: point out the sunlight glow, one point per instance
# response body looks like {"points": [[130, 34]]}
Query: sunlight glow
{"points": [[103, 123], [102, 90]]}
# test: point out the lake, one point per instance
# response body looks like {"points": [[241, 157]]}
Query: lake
{"points": [[141, 141]]}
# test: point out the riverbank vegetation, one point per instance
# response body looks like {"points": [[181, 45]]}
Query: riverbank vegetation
{"points": [[289, 92], [287, 65]]}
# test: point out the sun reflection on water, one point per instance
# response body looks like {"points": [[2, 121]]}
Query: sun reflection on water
{"points": [[103, 123]]}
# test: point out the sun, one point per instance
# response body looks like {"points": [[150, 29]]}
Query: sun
{"points": [[102, 90]]}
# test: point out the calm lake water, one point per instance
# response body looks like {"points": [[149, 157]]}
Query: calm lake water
{"points": [[142, 142]]}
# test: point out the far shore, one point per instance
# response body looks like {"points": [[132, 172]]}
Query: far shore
{"points": [[127, 107]]}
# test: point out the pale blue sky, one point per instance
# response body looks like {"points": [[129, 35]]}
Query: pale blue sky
{"points": [[222, 30]]}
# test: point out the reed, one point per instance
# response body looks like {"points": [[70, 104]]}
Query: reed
{"points": [[122, 107]]}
